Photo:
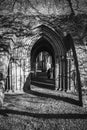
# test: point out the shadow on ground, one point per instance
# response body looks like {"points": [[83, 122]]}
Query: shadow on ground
{"points": [[56, 97], [5, 112], [68, 99]]}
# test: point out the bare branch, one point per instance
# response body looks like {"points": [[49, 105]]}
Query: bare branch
{"points": [[71, 7]]}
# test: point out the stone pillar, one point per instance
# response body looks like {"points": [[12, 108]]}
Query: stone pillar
{"points": [[57, 74], [65, 74], [4, 62], [28, 72], [60, 74], [34, 67], [29, 67], [68, 74]]}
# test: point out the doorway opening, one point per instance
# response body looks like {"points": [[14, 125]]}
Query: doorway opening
{"points": [[43, 64]]}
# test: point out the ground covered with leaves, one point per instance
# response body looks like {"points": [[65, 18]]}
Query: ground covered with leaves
{"points": [[42, 109]]}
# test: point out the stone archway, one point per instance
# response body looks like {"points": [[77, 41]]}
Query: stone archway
{"points": [[41, 45], [50, 40]]}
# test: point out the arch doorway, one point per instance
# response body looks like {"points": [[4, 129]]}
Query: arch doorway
{"points": [[47, 42], [60, 49], [43, 64], [43, 47]]}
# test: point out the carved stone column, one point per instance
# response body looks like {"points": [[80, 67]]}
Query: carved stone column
{"points": [[4, 62], [28, 72], [60, 74], [68, 72], [57, 74]]}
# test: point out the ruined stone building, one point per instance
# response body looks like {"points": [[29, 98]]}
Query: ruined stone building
{"points": [[35, 37]]}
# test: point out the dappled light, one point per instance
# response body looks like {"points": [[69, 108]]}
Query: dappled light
{"points": [[43, 69]]}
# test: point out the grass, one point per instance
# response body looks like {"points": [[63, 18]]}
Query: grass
{"points": [[35, 111]]}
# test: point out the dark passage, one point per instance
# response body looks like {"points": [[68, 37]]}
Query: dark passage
{"points": [[41, 80]]}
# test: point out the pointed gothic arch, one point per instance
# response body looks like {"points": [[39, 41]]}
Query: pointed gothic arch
{"points": [[58, 46], [50, 40]]}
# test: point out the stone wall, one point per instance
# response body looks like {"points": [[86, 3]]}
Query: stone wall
{"points": [[4, 62], [19, 69], [82, 60]]}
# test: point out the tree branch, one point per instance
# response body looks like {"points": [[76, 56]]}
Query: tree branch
{"points": [[71, 7]]}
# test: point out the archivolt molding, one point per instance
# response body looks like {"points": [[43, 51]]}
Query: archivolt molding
{"points": [[53, 37]]}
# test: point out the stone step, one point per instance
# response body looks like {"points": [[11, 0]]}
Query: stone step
{"points": [[40, 79], [43, 84]]}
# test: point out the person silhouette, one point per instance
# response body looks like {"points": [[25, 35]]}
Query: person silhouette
{"points": [[49, 73]]}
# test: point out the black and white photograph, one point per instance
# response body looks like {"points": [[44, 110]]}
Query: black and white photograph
{"points": [[43, 64]]}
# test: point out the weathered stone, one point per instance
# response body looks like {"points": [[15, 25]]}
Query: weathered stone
{"points": [[4, 61], [82, 60], [1, 92], [17, 77]]}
